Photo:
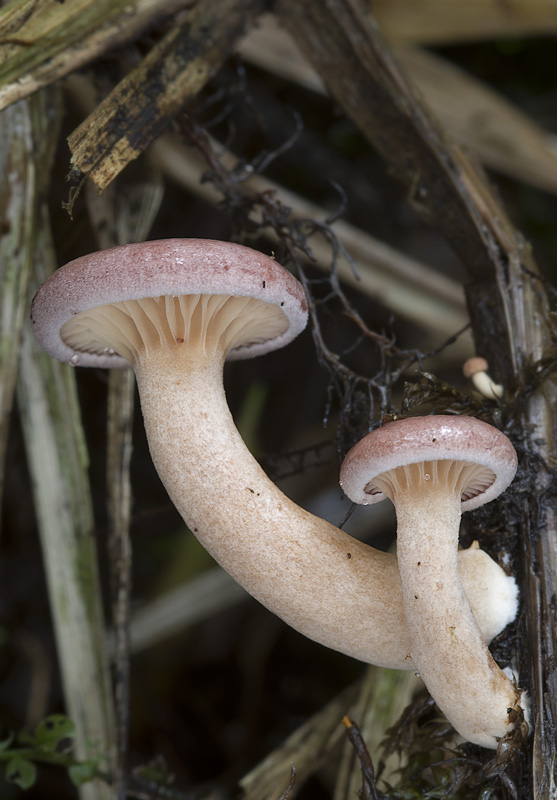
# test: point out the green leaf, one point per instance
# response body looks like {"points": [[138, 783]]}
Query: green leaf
{"points": [[5, 743], [21, 772], [82, 771], [52, 730]]}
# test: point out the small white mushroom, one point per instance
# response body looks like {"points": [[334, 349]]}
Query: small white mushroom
{"points": [[175, 310], [475, 369], [432, 468]]}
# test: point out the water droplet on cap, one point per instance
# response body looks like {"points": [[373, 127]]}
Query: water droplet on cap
{"points": [[74, 360]]}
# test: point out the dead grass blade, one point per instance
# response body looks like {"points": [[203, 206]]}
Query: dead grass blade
{"points": [[305, 750], [57, 458], [42, 41]]}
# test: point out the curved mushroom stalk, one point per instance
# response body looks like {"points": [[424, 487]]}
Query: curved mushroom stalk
{"points": [[325, 584], [446, 640], [431, 468], [175, 310]]}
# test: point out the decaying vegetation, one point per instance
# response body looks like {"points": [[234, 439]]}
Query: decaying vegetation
{"points": [[343, 144]]}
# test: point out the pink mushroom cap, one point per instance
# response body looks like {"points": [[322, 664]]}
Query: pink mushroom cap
{"points": [[163, 267], [433, 438], [474, 365]]}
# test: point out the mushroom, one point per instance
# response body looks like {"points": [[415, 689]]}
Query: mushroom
{"points": [[432, 468], [175, 310], [475, 368]]}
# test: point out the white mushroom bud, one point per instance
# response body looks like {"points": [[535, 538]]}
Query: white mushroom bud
{"points": [[433, 468], [175, 310], [475, 369]]}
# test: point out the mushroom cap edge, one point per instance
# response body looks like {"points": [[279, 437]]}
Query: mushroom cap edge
{"points": [[437, 437], [163, 267]]}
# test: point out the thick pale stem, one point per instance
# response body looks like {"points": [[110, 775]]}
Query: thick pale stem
{"points": [[330, 587], [285, 557], [486, 386], [448, 649]]}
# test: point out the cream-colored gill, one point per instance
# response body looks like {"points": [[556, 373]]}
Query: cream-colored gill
{"points": [[461, 477], [208, 322]]}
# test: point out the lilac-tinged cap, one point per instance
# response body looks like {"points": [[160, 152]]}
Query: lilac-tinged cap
{"points": [[433, 438], [163, 267]]}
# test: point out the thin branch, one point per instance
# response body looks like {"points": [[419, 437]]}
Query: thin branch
{"points": [[124, 213]]}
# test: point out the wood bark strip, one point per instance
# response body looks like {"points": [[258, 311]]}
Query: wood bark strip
{"points": [[349, 53], [506, 300]]}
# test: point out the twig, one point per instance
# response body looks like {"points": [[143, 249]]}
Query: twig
{"points": [[119, 437], [384, 694], [369, 789], [124, 213]]}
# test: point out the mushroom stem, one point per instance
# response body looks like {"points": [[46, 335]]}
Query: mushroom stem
{"points": [[486, 386], [445, 637], [285, 557], [325, 584]]}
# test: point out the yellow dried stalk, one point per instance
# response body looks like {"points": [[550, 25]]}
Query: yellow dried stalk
{"points": [[57, 457], [43, 40]]}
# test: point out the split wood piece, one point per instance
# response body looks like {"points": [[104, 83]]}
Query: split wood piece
{"points": [[144, 103]]}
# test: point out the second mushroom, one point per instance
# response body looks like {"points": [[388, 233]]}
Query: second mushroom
{"points": [[433, 468]]}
